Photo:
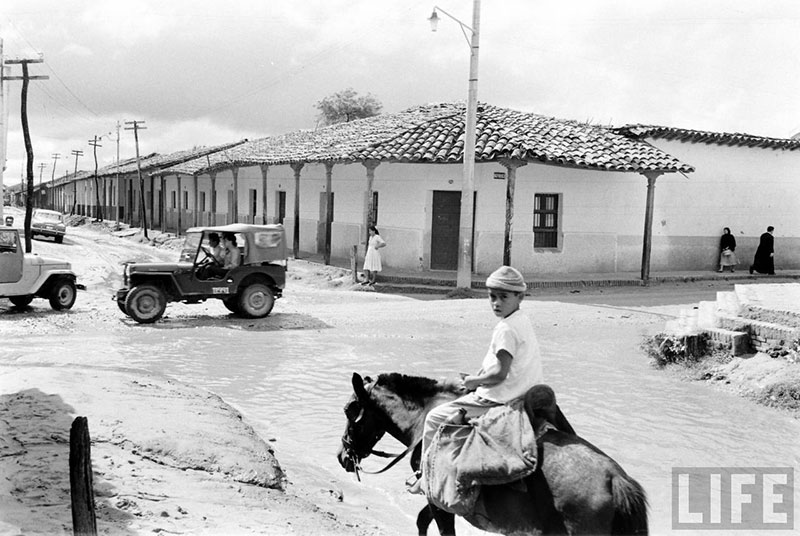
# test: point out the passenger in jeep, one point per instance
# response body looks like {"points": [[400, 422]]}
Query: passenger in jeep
{"points": [[230, 251]]}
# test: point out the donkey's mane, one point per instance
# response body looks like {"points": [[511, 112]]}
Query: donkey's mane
{"points": [[415, 389]]}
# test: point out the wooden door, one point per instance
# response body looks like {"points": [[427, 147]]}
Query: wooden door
{"points": [[444, 230]]}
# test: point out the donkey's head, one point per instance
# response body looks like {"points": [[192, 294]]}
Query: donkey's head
{"points": [[393, 403], [366, 424]]}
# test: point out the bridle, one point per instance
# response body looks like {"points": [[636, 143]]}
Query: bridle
{"points": [[354, 411]]}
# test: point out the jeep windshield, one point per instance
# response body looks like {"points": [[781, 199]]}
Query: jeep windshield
{"points": [[190, 246]]}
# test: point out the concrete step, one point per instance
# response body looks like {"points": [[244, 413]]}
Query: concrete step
{"points": [[777, 304], [758, 329], [706, 315], [728, 303], [737, 342]]}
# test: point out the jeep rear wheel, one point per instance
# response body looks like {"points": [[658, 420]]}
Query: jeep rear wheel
{"points": [[256, 301], [21, 301], [62, 295], [145, 303]]}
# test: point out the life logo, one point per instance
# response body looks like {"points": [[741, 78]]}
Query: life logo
{"points": [[733, 498]]}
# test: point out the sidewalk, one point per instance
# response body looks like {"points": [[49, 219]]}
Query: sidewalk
{"points": [[435, 281]]}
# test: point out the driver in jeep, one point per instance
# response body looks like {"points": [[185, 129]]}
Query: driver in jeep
{"points": [[221, 259]]}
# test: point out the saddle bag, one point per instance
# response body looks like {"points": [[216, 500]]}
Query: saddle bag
{"points": [[498, 447]]}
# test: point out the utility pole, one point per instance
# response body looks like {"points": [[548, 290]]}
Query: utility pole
{"points": [[26, 78], [142, 209], [56, 156], [76, 154], [3, 122], [42, 165], [95, 143], [116, 181]]}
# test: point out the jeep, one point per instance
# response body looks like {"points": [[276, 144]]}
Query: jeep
{"points": [[24, 276], [248, 290]]}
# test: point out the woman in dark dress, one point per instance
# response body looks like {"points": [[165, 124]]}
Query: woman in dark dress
{"points": [[727, 246], [764, 261]]}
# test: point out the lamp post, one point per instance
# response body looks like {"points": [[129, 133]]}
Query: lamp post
{"points": [[465, 228]]}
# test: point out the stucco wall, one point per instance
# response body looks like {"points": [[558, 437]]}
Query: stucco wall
{"points": [[601, 217]]}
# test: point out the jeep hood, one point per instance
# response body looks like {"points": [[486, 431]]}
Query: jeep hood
{"points": [[145, 267], [36, 260]]}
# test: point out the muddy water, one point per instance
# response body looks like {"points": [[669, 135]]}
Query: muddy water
{"points": [[291, 384]]}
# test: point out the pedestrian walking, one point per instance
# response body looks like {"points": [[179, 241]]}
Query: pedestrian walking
{"points": [[372, 259], [727, 247], [764, 261]]}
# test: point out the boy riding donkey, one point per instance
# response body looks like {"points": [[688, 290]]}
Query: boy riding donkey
{"points": [[486, 436]]}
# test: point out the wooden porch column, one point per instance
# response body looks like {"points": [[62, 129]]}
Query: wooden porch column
{"points": [[213, 176], [296, 240], [196, 201], [235, 173], [370, 165], [328, 211], [648, 223], [511, 166], [152, 200], [264, 200], [178, 196], [162, 217]]}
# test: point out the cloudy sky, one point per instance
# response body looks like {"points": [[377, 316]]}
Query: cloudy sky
{"points": [[202, 72]]}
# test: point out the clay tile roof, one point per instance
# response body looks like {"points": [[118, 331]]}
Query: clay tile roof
{"points": [[435, 133], [504, 133], [154, 161], [702, 136]]}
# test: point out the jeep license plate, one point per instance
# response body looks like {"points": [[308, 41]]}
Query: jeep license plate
{"points": [[220, 290]]}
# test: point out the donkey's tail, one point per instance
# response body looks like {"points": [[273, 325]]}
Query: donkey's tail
{"points": [[630, 506]]}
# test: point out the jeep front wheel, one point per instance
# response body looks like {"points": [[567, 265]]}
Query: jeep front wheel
{"points": [[145, 303], [256, 301], [62, 295], [21, 301]]}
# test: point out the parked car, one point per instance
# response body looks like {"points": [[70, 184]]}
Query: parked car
{"points": [[48, 223], [24, 276], [248, 290]]}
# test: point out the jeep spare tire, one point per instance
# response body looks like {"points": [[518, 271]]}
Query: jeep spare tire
{"points": [[256, 301], [62, 295], [145, 303]]}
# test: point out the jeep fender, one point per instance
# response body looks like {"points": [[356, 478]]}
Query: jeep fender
{"points": [[163, 280], [45, 281]]}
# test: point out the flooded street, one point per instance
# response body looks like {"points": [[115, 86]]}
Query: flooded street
{"points": [[290, 375]]}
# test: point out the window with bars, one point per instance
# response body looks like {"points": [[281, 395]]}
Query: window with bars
{"points": [[545, 220]]}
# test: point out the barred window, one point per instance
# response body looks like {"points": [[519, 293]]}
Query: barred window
{"points": [[545, 220]]}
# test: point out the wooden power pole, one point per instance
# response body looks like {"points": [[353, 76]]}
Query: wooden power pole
{"points": [[95, 143], [26, 78], [142, 209], [76, 154]]}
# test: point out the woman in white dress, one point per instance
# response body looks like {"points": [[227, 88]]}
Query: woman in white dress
{"points": [[372, 260]]}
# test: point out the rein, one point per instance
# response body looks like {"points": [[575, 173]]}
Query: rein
{"points": [[391, 464]]}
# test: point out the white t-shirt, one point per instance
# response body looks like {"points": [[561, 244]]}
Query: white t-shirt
{"points": [[515, 335]]}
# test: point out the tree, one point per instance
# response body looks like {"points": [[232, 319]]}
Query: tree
{"points": [[346, 106]]}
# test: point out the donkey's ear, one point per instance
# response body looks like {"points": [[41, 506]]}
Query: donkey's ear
{"points": [[358, 387]]}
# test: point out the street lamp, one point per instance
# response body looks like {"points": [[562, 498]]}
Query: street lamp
{"points": [[464, 275]]}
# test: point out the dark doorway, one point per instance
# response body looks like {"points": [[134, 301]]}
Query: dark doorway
{"points": [[444, 230], [281, 212]]}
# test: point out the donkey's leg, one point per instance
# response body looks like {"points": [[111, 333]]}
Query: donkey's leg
{"points": [[424, 519], [444, 520]]}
